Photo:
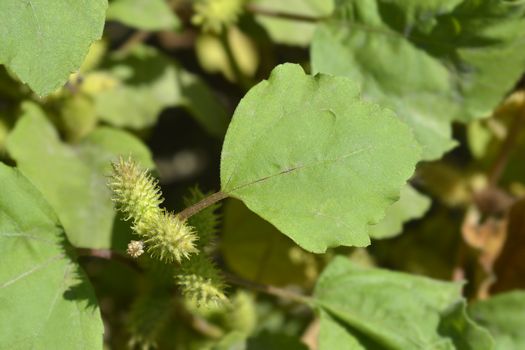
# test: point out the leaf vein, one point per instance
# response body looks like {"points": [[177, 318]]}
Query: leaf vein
{"points": [[32, 270], [299, 167]]}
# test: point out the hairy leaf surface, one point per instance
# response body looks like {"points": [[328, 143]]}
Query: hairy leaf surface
{"points": [[316, 161], [42, 41], [45, 299]]}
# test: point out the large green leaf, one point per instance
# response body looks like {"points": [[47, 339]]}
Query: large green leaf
{"points": [[464, 333], [309, 156], [432, 62], [45, 300], [411, 205], [44, 41], [504, 316], [73, 177], [145, 82], [335, 336], [396, 310], [143, 14]]}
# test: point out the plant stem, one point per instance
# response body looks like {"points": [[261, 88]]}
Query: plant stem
{"points": [[107, 254], [506, 149], [203, 204], [135, 39], [268, 289], [272, 13], [197, 322]]}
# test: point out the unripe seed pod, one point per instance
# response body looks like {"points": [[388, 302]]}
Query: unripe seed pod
{"points": [[201, 282], [169, 239], [135, 192], [137, 195]]}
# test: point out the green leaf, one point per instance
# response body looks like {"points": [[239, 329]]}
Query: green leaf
{"points": [[257, 251], [504, 316], [45, 300], [44, 41], [464, 332], [397, 310], [143, 14], [196, 97], [411, 205], [432, 62], [288, 31], [145, 82], [283, 31], [73, 177], [309, 156], [299, 7], [335, 336]]}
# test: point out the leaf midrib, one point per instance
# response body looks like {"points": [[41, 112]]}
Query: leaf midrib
{"points": [[290, 170]]}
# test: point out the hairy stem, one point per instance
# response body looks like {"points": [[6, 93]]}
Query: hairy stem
{"points": [[107, 254], [198, 323], [203, 204], [134, 39]]}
